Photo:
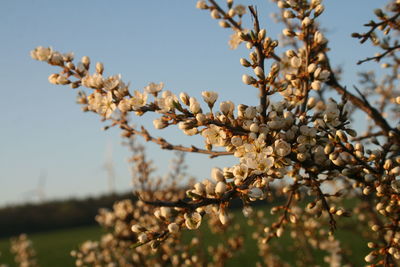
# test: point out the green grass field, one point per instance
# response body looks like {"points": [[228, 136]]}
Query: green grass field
{"points": [[53, 248]]}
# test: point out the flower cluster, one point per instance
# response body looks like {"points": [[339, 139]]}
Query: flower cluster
{"points": [[132, 223], [24, 253]]}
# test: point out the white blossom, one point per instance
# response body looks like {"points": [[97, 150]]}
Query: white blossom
{"points": [[138, 99], [194, 105], [192, 220], [214, 135], [41, 53], [107, 106], [227, 107], [210, 97], [154, 88]]}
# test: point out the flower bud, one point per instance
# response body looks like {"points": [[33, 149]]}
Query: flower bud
{"points": [[137, 229], [290, 53], [85, 61], [370, 257], [245, 62], [224, 24], [259, 72], [311, 68], [62, 80], [159, 124], [165, 212], [215, 14], [261, 34], [184, 98], [231, 12], [173, 228], [255, 192], [319, 38], [209, 97], [288, 33], [210, 188], [201, 4], [295, 62], [217, 175], [254, 127], [316, 85], [53, 78], [194, 105], [279, 232], [236, 141], [288, 14], [341, 135], [226, 107], [311, 102], [99, 68], [318, 10], [223, 217], [247, 79], [142, 238], [306, 22], [220, 188], [192, 220], [200, 189], [201, 118]]}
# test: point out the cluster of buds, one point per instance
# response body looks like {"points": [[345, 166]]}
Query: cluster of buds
{"points": [[24, 253], [154, 232]]}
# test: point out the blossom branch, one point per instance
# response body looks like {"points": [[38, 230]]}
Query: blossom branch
{"points": [[260, 63], [381, 55], [164, 144], [373, 113]]}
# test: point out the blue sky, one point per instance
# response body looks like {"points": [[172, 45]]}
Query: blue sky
{"points": [[155, 40]]}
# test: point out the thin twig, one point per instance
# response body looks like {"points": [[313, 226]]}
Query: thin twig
{"points": [[164, 144]]}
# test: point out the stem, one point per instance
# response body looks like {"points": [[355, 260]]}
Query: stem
{"points": [[260, 63]]}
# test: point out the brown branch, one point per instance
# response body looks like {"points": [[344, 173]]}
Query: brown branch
{"points": [[204, 201], [194, 205], [176, 118], [364, 37], [287, 208], [325, 205], [166, 145], [380, 56], [366, 136], [372, 112]]}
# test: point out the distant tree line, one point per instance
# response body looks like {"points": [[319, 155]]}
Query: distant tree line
{"points": [[30, 218]]}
